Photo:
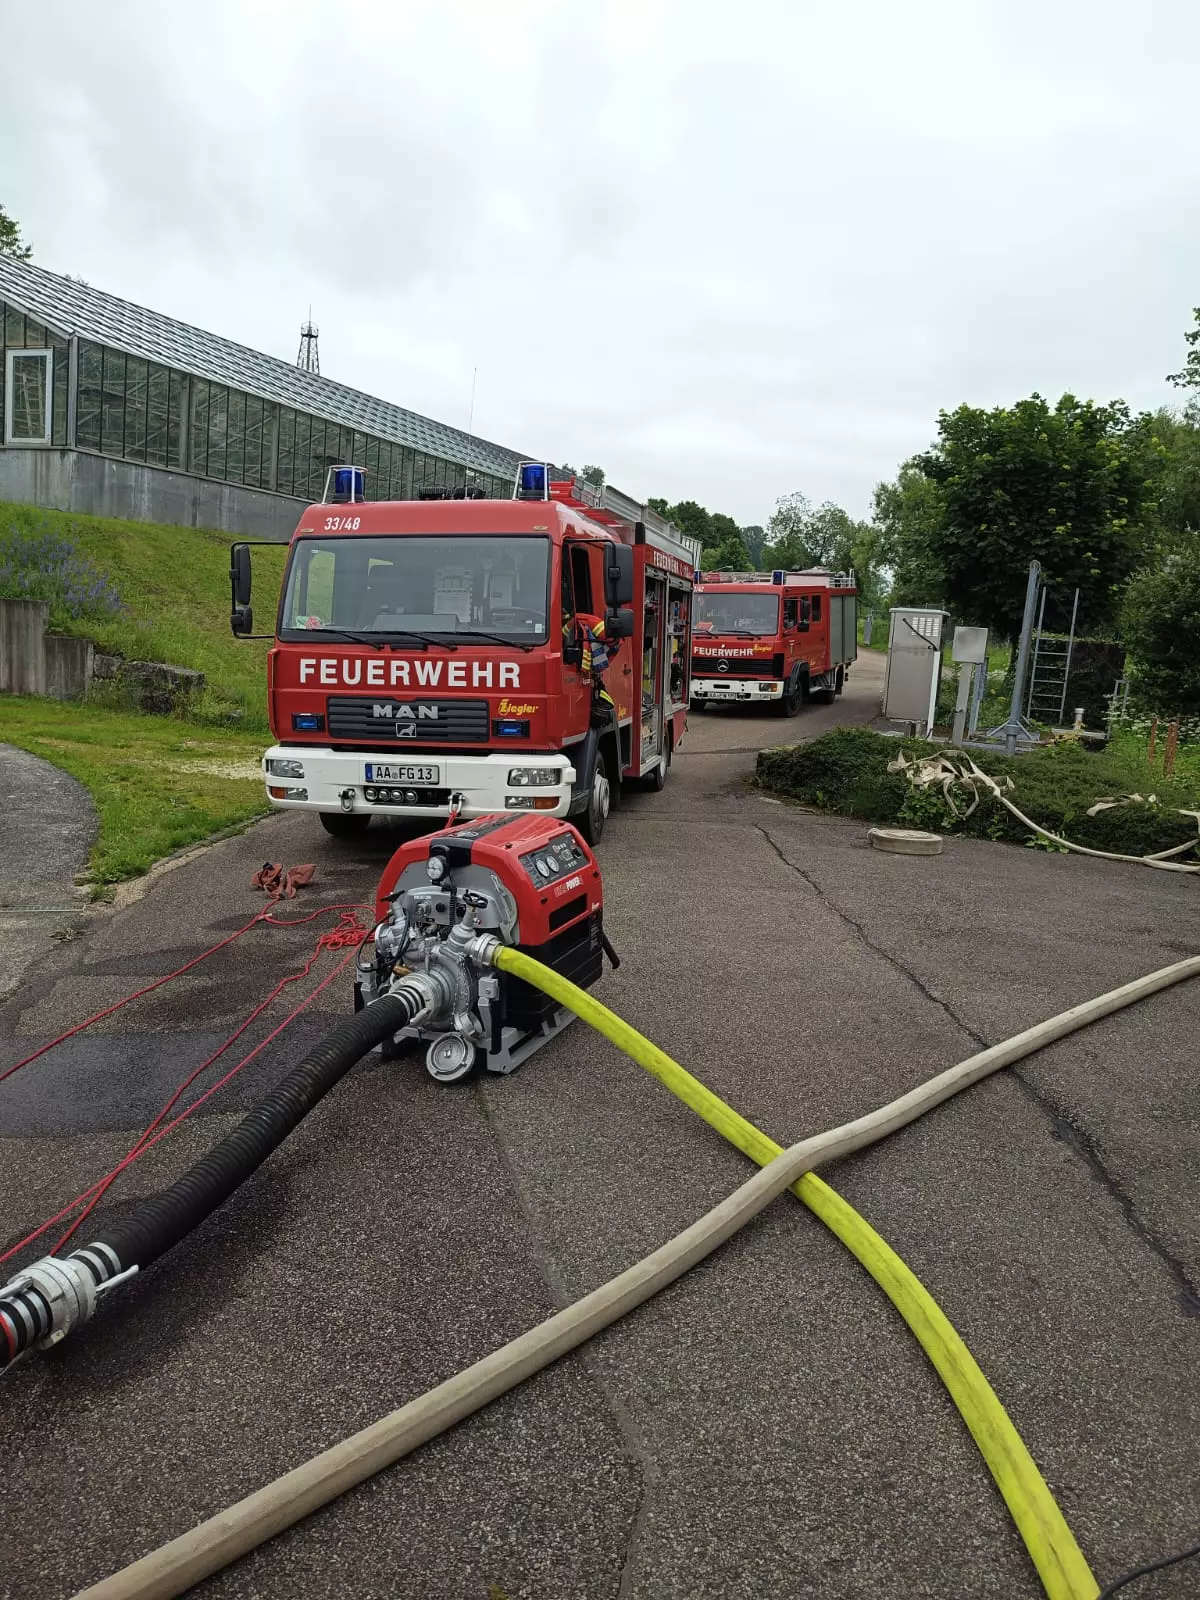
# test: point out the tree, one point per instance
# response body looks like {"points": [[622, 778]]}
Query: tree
{"points": [[1161, 624], [787, 542], [754, 538], [1073, 486], [692, 519], [593, 475], [1189, 377], [907, 521], [10, 239], [1177, 434], [729, 553]]}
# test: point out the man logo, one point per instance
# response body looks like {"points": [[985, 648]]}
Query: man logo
{"points": [[396, 711]]}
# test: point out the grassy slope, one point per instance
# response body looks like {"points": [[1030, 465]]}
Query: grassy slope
{"points": [[175, 584], [159, 783]]}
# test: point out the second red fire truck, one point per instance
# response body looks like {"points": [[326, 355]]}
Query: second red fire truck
{"points": [[462, 655], [773, 638]]}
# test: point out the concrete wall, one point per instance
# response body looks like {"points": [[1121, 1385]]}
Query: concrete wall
{"points": [[69, 665], [77, 480], [22, 652]]}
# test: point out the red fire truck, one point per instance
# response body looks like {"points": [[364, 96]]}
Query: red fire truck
{"points": [[456, 654], [777, 638]]}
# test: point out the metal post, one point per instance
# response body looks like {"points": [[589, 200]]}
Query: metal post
{"points": [[1016, 728], [867, 624], [960, 705], [1037, 650], [1062, 704], [979, 689]]}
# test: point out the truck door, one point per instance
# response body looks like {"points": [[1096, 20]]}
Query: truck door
{"points": [[576, 589], [654, 669]]}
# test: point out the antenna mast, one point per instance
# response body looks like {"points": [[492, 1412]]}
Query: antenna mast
{"points": [[307, 357]]}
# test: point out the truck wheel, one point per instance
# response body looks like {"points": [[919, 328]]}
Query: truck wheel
{"points": [[826, 691], [656, 780], [345, 824], [591, 823], [697, 705], [788, 703], [841, 680]]}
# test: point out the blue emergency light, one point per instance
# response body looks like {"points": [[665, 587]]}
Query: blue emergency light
{"points": [[349, 483], [533, 481], [777, 576], [308, 722], [510, 730]]}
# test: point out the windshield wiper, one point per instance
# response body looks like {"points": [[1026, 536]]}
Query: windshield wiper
{"points": [[349, 633], [735, 633], [496, 638]]}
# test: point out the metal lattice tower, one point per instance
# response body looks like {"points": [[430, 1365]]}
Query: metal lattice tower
{"points": [[308, 358]]}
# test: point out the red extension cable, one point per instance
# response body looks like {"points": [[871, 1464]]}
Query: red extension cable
{"points": [[348, 935]]}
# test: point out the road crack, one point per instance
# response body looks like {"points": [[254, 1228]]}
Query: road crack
{"points": [[1063, 1125], [560, 1297]]}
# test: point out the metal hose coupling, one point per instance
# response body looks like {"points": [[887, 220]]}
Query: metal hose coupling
{"points": [[46, 1300]]}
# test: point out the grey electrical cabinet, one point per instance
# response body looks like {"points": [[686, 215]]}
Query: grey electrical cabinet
{"points": [[914, 664]]}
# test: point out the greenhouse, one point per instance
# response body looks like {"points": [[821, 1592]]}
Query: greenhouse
{"points": [[112, 408]]}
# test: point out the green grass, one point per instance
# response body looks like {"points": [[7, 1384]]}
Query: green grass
{"points": [[174, 584], [846, 771], [159, 783]]}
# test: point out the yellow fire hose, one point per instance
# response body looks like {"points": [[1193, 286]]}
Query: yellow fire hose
{"points": [[1064, 1573], [231, 1533]]}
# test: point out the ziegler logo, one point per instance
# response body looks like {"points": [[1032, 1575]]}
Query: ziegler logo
{"points": [[513, 708], [398, 712]]}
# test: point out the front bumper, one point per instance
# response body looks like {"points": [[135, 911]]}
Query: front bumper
{"points": [[335, 780], [736, 688]]}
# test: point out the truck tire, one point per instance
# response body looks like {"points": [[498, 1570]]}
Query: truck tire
{"points": [[841, 680], [591, 822], [789, 702], [657, 779], [345, 824], [826, 693]]}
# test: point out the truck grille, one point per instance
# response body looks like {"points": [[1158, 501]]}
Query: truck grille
{"points": [[385, 719], [739, 667]]}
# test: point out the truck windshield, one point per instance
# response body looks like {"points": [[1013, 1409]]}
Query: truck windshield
{"points": [[756, 614], [434, 585]]}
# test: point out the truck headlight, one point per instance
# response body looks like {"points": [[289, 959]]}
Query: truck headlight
{"points": [[284, 767], [534, 777]]}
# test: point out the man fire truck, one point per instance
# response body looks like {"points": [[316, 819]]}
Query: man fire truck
{"points": [[776, 638], [456, 654]]}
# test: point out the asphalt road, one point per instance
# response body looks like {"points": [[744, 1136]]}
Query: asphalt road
{"points": [[767, 1426]]}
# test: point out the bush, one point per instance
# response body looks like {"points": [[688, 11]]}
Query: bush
{"points": [[1162, 629], [36, 563], [846, 771]]}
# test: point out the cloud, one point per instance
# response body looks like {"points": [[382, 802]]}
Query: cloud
{"points": [[727, 252]]}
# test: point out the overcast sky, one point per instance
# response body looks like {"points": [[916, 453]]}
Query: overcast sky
{"points": [[723, 250]]}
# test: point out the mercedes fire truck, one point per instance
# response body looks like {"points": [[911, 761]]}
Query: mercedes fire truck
{"points": [[774, 638], [456, 655]]}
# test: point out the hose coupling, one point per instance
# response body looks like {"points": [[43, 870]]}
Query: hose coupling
{"points": [[482, 949], [44, 1302], [434, 987]]}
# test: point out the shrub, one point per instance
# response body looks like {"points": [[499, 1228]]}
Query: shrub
{"points": [[36, 563], [846, 771]]}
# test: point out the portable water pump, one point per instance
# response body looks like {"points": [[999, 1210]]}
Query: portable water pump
{"points": [[520, 879]]}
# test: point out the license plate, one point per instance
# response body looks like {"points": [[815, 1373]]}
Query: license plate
{"points": [[390, 772]]}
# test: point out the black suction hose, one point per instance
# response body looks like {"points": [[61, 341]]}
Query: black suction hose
{"points": [[153, 1225]]}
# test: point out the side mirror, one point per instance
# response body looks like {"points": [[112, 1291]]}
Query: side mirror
{"points": [[241, 620], [620, 623], [618, 577], [239, 574]]}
